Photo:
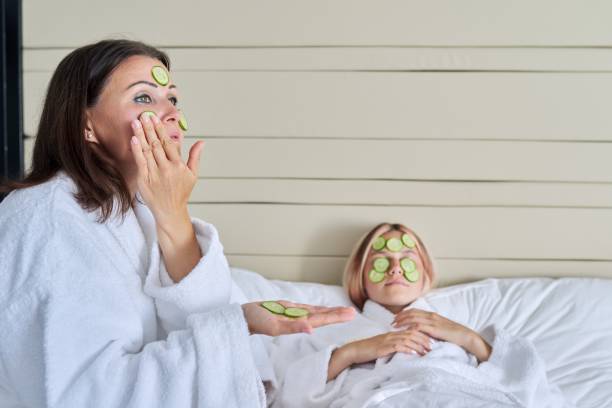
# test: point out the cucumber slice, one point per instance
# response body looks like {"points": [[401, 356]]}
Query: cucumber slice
{"points": [[182, 122], [394, 245], [376, 276], [408, 241], [274, 307], [412, 276], [160, 75], [379, 243], [296, 312], [147, 113], [407, 265], [381, 265]]}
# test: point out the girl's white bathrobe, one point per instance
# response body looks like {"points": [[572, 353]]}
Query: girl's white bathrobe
{"points": [[86, 308], [448, 376]]}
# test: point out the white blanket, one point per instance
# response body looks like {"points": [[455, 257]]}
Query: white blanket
{"points": [[81, 305], [514, 376]]}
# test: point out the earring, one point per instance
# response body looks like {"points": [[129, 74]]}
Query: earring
{"points": [[89, 135]]}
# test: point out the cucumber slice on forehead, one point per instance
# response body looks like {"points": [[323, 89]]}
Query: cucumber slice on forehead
{"points": [[160, 75], [296, 312], [274, 307], [376, 276], [379, 243], [381, 264], [408, 241], [394, 245], [182, 122]]}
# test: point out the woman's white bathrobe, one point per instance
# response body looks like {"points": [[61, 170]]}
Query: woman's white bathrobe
{"points": [[85, 309], [448, 376]]}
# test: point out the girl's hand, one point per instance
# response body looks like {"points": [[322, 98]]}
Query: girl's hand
{"points": [[405, 341], [372, 348], [444, 329], [262, 321], [164, 181]]}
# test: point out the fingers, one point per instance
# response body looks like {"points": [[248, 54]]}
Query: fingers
{"points": [[145, 149], [151, 133], [171, 150], [139, 158], [193, 162]]}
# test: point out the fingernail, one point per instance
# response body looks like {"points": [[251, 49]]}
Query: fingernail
{"points": [[144, 118], [135, 140], [154, 118], [136, 124]]}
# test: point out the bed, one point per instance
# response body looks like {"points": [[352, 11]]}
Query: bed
{"points": [[568, 319]]}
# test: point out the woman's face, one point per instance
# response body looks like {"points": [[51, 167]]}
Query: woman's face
{"points": [[131, 90], [395, 291]]}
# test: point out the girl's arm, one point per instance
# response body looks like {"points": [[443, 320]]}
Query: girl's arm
{"points": [[372, 348]]}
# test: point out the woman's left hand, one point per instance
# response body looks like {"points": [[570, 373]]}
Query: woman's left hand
{"points": [[441, 328]]}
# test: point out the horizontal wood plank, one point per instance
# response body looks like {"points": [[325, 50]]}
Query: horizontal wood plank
{"points": [[320, 22], [449, 271], [380, 105]]}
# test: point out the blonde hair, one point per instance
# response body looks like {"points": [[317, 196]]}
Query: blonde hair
{"points": [[355, 265]]}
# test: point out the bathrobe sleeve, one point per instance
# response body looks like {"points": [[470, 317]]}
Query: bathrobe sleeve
{"points": [[516, 366], [76, 340], [207, 286]]}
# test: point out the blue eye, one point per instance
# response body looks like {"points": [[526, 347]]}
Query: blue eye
{"points": [[143, 99]]}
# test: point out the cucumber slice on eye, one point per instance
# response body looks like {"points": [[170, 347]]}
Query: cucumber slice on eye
{"points": [[147, 113], [376, 276], [381, 265], [408, 241], [379, 243], [274, 307], [412, 276], [296, 312], [160, 75], [182, 122], [407, 265], [394, 245]]}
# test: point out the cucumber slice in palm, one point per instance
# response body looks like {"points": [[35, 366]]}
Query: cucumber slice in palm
{"points": [[394, 245], [412, 276], [274, 307], [296, 312], [376, 276], [160, 75], [381, 264], [408, 265], [379, 243], [408, 241]]}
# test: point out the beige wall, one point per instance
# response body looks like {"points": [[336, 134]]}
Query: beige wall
{"points": [[483, 125]]}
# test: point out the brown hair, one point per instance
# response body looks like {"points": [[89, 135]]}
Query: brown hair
{"points": [[355, 265], [60, 145]]}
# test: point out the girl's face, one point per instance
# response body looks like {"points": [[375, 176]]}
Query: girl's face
{"points": [[131, 89], [394, 290]]}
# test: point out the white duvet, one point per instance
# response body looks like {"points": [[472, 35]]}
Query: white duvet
{"points": [[568, 320]]}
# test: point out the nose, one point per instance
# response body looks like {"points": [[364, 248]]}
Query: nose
{"points": [[171, 114], [394, 267]]}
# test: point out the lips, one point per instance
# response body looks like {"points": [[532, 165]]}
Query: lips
{"points": [[396, 282]]}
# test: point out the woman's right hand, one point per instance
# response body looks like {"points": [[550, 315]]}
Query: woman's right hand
{"points": [[262, 321]]}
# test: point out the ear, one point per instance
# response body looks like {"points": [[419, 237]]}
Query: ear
{"points": [[89, 134]]}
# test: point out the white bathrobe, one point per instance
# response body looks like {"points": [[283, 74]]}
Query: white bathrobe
{"points": [[86, 308], [448, 376]]}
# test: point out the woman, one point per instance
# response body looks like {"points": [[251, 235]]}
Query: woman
{"points": [[110, 294]]}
